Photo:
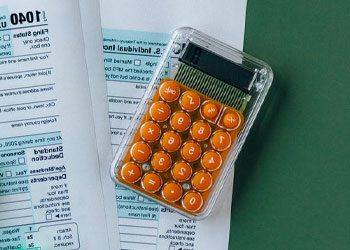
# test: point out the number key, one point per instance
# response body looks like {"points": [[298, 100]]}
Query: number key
{"points": [[211, 160], [170, 141], [161, 161], [190, 101], [202, 181], [221, 140], [191, 151], [200, 130], [192, 201], [180, 121], [181, 171]]}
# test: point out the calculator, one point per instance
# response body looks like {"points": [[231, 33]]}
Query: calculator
{"points": [[191, 123]]}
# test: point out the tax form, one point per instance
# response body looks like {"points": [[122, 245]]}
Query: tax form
{"points": [[91, 23], [134, 32], [50, 189]]}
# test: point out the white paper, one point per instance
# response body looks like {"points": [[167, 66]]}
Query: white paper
{"points": [[50, 189], [144, 224], [91, 22]]}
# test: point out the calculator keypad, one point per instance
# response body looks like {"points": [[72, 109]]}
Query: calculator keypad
{"points": [[180, 147]]}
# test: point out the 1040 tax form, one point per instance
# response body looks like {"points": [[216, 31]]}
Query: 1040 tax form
{"points": [[50, 188]]}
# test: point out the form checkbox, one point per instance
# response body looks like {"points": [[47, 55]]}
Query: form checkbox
{"points": [[8, 174], [21, 161], [6, 37], [137, 62], [167, 65], [141, 198], [48, 216]]}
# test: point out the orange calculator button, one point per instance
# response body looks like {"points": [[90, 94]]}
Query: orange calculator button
{"points": [[210, 110], [232, 120], [180, 121], [202, 181], [200, 130], [192, 201], [172, 191], [221, 140], [151, 182], [211, 160], [181, 171], [140, 151], [130, 172], [170, 141], [169, 91], [161, 161], [191, 151], [159, 111], [190, 101], [150, 131]]}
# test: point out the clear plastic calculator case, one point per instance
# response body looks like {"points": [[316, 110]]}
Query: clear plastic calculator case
{"points": [[191, 123]]}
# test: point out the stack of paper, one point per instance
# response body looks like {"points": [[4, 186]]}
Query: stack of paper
{"points": [[59, 118]]}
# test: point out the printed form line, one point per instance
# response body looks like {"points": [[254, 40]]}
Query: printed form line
{"points": [[38, 223], [32, 26], [9, 73], [43, 117], [32, 147], [124, 97], [17, 209], [14, 177], [19, 217], [53, 100], [34, 54], [27, 135], [28, 87], [1, 203], [127, 81]]}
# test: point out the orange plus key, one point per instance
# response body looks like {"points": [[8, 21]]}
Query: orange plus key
{"points": [[180, 121], [211, 160], [151, 182], [130, 172], [232, 120], [150, 131], [202, 181], [210, 110], [221, 140], [172, 191], [140, 151], [200, 130], [161, 161], [160, 111], [192, 201], [181, 171], [170, 141], [190, 101], [169, 91], [191, 151]]}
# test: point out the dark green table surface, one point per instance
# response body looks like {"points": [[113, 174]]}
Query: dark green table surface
{"points": [[292, 178]]}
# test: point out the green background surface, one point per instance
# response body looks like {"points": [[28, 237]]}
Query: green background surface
{"points": [[292, 178]]}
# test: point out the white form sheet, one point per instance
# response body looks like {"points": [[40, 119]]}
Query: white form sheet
{"points": [[133, 32], [91, 21], [50, 189]]}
